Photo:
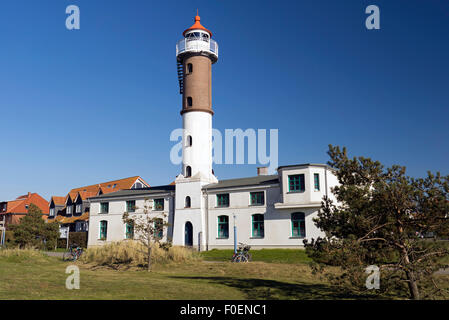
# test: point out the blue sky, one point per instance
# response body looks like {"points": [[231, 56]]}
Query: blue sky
{"points": [[97, 104]]}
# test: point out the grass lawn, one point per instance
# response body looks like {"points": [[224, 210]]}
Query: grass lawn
{"points": [[43, 277], [262, 255]]}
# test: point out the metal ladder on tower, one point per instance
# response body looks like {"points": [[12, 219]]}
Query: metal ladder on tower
{"points": [[180, 77]]}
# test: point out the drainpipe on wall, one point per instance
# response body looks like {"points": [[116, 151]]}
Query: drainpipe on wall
{"points": [[207, 221], [325, 179]]}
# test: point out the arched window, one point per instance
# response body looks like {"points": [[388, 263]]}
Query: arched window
{"points": [[188, 172], [189, 141], [188, 202], [158, 228], [298, 225], [258, 226], [189, 68], [223, 227], [103, 230], [189, 101], [129, 231]]}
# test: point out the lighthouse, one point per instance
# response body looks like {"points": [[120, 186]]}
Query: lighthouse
{"points": [[196, 52], [195, 55]]}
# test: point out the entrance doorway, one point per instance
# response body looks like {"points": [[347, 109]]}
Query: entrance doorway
{"points": [[188, 234]]}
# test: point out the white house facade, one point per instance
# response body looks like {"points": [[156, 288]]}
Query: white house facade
{"points": [[264, 211]]}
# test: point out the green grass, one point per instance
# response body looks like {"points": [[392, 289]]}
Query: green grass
{"points": [[33, 275], [43, 277], [290, 256]]}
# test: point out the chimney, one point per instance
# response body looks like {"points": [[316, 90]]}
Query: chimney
{"points": [[29, 194], [262, 171]]}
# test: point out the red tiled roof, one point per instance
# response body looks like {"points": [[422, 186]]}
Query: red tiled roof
{"points": [[19, 206], [86, 194], [110, 186], [58, 201]]}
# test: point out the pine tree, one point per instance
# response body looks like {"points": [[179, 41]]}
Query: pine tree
{"points": [[33, 231], [380, 218]]}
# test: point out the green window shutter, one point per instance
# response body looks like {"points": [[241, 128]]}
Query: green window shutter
{"points": [[159, 204], [257, 198], [316, 177], [296, 183], [103, 230], [298, 224], [223, 200], [129, 231], [104, 207], [158, 228], [223, 227], [258, 226], [131, 206]]}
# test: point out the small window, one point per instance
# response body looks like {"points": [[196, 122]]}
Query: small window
{"points": [[223, 227], [188, 202], [189, 141], [189, 101], [189, 68], [257, 198], [129, 231], [258, 226], [103, 230], [137, 185], [52, 212], [78, 208], [158, 228], [69, 210], [296, 183], [188, 172], [159, 204], [316, 180], [131, 206], [104, 207], [298, 225], [223, 200]]}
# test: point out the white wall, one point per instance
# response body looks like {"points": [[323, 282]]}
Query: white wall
{"points": [[116, 228], [277, 223]]}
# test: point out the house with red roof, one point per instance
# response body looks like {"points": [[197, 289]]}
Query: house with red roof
{"points": [[12, 211], [73, 210]]}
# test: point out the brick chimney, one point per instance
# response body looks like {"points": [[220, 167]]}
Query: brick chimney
{"points": [[262, 171]]}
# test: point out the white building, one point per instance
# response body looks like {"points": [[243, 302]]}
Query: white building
{"points": [[267, 211]]}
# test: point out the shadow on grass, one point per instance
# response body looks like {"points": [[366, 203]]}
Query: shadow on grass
{"points": [[274, 290]]}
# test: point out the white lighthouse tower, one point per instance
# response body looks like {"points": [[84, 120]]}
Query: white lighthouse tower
{"points": [[195, 54]]}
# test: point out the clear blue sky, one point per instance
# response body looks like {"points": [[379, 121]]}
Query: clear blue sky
{"points": [[87, 106]]}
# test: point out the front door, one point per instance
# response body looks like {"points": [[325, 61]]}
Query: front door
{"points": [[188, 234]]}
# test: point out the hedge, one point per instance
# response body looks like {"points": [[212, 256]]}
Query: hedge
{"points": [[80, 238]]}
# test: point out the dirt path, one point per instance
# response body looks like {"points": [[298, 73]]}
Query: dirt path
{"points": [[54, 254]]}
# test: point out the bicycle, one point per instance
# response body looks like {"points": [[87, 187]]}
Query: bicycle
{"points": [[73, 254], [242, 254]]}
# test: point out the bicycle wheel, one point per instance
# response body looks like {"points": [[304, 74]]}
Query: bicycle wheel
{"points": [[244, 258], [68, 256], [249, 257]]}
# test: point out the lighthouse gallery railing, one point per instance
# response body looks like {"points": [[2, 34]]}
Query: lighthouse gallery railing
{"points": [[197, 44]]}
